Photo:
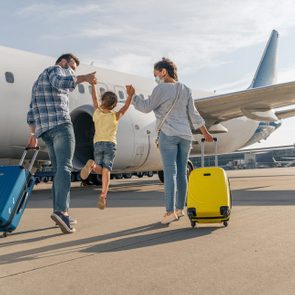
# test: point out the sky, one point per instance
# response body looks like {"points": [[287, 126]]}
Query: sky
{"points": [[217, 45]]}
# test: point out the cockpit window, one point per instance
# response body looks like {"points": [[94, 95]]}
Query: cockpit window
{"points": [[9, 77]]}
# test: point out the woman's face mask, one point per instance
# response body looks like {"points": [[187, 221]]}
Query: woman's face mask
{"points": [[158, 77], [159, 80]]}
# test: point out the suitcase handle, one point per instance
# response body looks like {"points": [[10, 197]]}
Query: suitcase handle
{"points": [[22, 203], [37, 148], [28, 187], [203, 152]]}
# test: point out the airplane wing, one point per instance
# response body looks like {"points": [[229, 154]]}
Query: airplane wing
{"points": [[285, 114], [255, 103]]}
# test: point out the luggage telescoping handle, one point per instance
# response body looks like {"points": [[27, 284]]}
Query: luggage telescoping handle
{"points": [[203, 152], [33, 158]]}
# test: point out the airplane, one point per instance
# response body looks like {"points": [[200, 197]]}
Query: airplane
{"points": [[237, 119]]}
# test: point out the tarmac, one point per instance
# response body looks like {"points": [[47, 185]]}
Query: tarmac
{"points": [[125, 250]]}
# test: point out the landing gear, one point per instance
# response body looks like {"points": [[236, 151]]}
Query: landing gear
{"points": [[189, 168], [92, 179], [161, 176]]}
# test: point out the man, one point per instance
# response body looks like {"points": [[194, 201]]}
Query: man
{"points": [[49, 119]]}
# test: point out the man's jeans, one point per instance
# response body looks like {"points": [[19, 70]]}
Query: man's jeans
{"points": [[60, 142], [174, 152]]}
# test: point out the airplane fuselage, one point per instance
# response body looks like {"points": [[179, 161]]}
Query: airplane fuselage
{"points": [[136, 133]]}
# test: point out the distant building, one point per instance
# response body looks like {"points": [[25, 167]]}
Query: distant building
{"points": [[283, 156]]}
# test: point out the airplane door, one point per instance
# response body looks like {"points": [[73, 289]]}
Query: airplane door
{"points": [[142, 129]]}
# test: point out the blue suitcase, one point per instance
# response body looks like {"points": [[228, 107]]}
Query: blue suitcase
{"points": [[16, 185]]}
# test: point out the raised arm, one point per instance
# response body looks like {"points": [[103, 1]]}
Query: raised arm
{"points": [[95, 102], [122, 111], [58, 80], [149, 104]]}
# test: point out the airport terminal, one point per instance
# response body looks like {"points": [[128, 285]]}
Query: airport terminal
{"points": [[280, 156]]}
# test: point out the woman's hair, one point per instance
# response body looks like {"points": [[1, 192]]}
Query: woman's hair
{"points": [[109, 100], [169, 65]]}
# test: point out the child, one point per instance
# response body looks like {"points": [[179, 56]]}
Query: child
{"points": [[106, 125]]}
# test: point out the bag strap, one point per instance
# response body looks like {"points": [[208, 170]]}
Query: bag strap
{"points": [[169, 111]]}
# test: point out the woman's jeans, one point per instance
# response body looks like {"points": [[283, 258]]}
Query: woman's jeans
{"points": [[60, 142], [175, 153]]}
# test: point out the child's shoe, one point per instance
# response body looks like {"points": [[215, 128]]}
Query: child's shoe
{"points": [[86, 170], [102, 201]]}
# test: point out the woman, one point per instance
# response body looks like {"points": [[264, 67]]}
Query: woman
{"points": [[175, 135]]}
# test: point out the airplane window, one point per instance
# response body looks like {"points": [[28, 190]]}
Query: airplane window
{"points": [[102, 90], [81, 88], [9, 77], [121, 95]]}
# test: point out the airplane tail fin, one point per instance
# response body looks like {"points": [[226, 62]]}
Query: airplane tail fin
{"points": [[266, 71]]}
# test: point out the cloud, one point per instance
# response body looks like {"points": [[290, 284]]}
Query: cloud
{"points": [[287, 74], [236, 85], [195, 34], [101, 31], [191, 33], [58, 10], [130, 63]]}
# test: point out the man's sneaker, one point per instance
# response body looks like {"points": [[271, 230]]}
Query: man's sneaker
{"points": [[63, 222], [72, 221], [169, 217], [179, 213], [86, 170]]}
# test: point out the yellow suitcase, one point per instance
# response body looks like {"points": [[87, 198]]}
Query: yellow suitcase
{"points": [[209, 197]]}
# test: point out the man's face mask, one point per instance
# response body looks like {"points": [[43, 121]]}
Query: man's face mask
{"points": [[69, 70]]}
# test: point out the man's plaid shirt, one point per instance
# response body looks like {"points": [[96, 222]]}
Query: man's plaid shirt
{"points": [[49, 105]]}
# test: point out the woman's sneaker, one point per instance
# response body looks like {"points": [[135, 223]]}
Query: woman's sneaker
{"points": [[63, 222], [169, 217], [179, 213], [86, 170]]}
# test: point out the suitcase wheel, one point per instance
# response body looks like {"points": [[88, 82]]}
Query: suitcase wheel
{"points": [[4, 235], [193, 224], [225, 223]]}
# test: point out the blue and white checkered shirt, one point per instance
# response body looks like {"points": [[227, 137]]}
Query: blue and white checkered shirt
{"points": [[49, 105]]}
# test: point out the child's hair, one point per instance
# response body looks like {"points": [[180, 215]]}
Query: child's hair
{"points": [[109, 100]]}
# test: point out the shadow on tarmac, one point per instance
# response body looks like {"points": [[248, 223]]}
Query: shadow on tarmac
{"points": [[255, 196], [123, 242], [150, 240], [252, 197]]}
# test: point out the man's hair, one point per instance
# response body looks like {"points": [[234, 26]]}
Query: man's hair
{"points": [[109, 100], [169, 65], [67, 57]]}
